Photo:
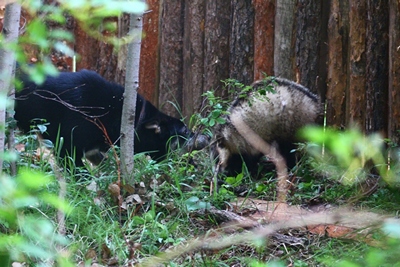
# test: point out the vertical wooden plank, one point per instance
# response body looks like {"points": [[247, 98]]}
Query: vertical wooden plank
{"points": [[321, 79], [84, 48], [242, 42], [171, 61], [394, 71], [104, 59], [99, 56], [338, 29], [377, 66], [193, 57], [149, 52], [120, 71], [308, 42], [357, 63], [284, 37], [264, 24], [216, 39]]}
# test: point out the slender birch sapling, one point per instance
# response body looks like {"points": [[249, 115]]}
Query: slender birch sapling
{"points": [[131, 87]]}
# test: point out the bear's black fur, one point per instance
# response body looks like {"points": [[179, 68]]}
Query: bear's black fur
{"points": [[75, 104]]}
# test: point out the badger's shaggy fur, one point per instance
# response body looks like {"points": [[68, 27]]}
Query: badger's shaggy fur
{"points": [[275, 117]]}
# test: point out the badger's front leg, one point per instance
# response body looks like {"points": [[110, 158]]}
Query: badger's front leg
{"points": [[223, 156]]}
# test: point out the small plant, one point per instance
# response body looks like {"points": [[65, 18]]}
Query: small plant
{"points": [[25, 234], [237, 88], [217, 110], [348, 156], [235, 180], [357, 254], [211, 114], [241, 91]]}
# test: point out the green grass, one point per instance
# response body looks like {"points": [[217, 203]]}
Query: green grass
{"points": [[163, 210]]}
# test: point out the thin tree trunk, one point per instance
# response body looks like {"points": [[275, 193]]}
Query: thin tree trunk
{"points": [[130, 94], [7, 62]]}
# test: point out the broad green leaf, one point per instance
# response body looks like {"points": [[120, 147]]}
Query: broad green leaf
{"points": [[37, 31], [32, 179]]}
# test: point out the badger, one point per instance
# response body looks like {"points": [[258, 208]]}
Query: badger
{"points": [[275, 109]]}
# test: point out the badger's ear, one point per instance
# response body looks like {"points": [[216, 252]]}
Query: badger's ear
{"points": [[154, 125]]}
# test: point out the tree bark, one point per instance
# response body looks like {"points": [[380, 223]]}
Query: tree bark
{"points": [[284, 39], [171, 61], [193, 57], [321, 83], [216, 50], [338, 28], [115, 70], [357, 63], [377, 55], [264, 24], [130, 94], [394, 71], [100, 56], [241, 59], [7, 63], [308, 43]]}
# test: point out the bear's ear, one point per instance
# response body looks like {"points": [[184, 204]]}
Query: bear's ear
{"points": [[154, 125]]}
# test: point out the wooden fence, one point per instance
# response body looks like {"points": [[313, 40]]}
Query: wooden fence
{"points": [[347, 51]]}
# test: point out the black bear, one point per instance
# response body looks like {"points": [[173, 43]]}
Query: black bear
{"points": [[75, 104]]}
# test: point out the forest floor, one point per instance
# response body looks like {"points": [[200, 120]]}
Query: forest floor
{"points": [[168, 217]]}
